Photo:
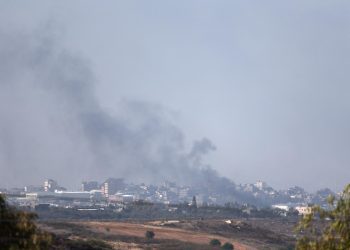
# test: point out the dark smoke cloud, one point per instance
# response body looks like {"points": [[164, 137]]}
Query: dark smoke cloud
{"points": [[200, 148], [52, 125]]}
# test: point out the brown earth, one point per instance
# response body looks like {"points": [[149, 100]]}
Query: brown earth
{"points": [[262, 233], [138, 230]]}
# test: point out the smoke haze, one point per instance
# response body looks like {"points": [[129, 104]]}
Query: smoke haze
{"points": [[52, 126], [267, 82]]}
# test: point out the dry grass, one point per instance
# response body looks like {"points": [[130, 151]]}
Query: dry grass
{"points": [[161, 233]]}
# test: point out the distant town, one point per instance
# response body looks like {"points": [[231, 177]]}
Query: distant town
{"points": [[118, 194]]}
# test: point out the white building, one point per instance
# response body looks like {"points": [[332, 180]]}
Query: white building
{"points": [[303, 210], [119, 197], [260, 185], [97, 195], [59, 194], [50, 185], [281, 206], [72, 194]]}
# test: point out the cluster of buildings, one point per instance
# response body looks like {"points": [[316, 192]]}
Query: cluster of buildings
{"points": [[117, 191], [294, 198], [93, 194]]}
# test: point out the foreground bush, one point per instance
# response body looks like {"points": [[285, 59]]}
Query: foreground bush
{"points": [[149, 235], [91, 244], [327, 228], [18, 230], [227, 246], [215, 242]]}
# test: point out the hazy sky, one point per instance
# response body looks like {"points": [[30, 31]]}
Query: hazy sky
{"points": [[266, 81]]}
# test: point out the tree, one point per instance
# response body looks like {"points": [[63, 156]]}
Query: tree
{"points": [[327, 228], [292, 212], [227, 246], [18, 230], [215, 242], [194, 202], [149, 235]]}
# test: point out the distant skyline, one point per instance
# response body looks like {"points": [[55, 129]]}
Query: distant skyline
{"points": [[266, 84]]}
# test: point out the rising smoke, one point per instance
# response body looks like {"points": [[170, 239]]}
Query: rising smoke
{"points": [[52, 125]]}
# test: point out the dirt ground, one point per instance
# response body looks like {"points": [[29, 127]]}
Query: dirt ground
{"points": [[138, 230], [264, 233]]}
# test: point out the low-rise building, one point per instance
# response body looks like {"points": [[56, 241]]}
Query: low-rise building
{"points": [[303, 210]]}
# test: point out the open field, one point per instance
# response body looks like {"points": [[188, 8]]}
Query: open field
{"points": [[189, 234], [138, 230]]}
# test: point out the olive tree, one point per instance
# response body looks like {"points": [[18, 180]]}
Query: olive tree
{"points": [[19, 231], [326, 228]]}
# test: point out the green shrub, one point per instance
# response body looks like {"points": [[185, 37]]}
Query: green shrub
{"points": [[227, 246], [90, 244], [335, 232], [215, 242], [19, 231], [149, 234]]}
